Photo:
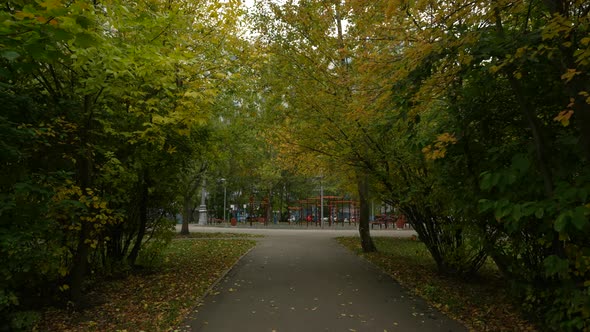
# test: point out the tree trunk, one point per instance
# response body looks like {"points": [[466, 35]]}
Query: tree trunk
{"points": [[80, 259], [131, 259], [193, 184], [269, 214], [281, 195], [80, 263], [364, 225], [115, 246], [186, 215]]}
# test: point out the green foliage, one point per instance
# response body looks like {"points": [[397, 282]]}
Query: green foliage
{"points": [[103, 105], [471, 117], [549, 238], [153, 252], [22, 321]]}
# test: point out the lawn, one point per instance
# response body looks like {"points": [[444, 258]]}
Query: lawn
{"points": [[154, 300], [481, 303]]}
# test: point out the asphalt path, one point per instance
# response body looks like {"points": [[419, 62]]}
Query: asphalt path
{"points": [[303, 280]]}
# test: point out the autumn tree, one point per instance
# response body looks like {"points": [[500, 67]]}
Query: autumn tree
{"points": [[483, 97], [105, 103], [470, 116], [308, 87]]}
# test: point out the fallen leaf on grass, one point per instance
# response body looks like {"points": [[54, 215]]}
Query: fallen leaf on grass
{"points": [[155, 301], [410, 263]]}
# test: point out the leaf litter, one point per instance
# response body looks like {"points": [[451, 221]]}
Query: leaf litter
{"points": [[158, 300], [482, 305]]}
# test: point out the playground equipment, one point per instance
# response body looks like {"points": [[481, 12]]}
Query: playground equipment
{"points": [[258, 211], [336, 210]]}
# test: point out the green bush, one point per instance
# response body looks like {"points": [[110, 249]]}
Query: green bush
{"points": [[153, 249]]}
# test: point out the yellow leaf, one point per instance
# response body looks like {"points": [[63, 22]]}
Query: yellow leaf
{"points": [[446, 138], [569, 74], [192, 94], [51, 4], [564, 117], [520, 52], [572, 102], [23, 15]]}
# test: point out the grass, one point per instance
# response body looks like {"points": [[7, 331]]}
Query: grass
{"points": [[481, 303], [155, 300]]}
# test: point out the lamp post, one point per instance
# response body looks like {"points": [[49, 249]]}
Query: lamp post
{"points": [[224, 196]]}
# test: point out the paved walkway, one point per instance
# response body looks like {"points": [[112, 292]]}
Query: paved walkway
{"points": [[303, 280]]}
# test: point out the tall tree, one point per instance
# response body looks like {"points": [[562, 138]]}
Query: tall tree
{"points": [[104, 100], [308, 85]]}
